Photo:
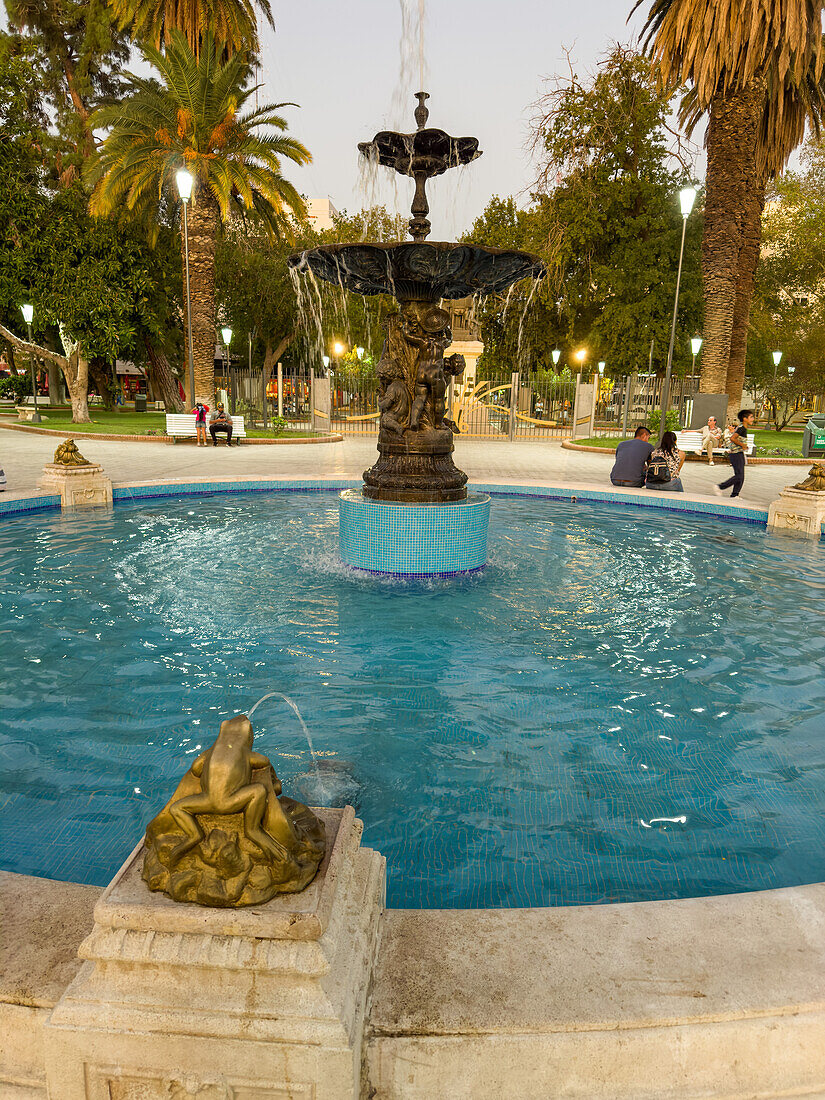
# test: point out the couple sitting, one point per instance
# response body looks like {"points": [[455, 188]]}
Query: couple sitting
{"points": [[639, 464]]}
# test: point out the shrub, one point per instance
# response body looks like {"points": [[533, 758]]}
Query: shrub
{"points": [[15, 386], [671, 421]]}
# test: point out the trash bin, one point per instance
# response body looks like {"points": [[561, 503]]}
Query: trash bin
{"points": [[140, 402], [813, 438]]}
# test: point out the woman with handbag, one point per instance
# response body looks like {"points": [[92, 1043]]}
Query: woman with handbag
{"points": [[664, 466]]}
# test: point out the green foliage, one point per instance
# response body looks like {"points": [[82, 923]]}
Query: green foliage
{"points": [[788, 311], [672, 423], [15, 386], [279, 424], [607, 223]]}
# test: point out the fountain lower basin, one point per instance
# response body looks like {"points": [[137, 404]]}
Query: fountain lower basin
{"points": [[413, 540]]}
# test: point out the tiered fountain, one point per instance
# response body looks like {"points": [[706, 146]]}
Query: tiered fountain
{"points": [[414, 515]]}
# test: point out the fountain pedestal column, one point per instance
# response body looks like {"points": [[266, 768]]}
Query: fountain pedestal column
{"points": [[178, 1001]]}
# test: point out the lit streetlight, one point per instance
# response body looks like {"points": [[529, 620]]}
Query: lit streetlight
{"points": [[185, 182], [695, 347], [326, 361], [28, 317], [555, 355], [339, 349], [602, 365], [687, 197], [777, 358], [790, 371], [359, 352]]}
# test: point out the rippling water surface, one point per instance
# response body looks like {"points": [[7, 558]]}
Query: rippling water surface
{"points": [[624, 705]]}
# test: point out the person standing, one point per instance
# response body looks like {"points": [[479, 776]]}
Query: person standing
{"points": [[631, 460], [738, 446], [200, 410], [711, 438], [220, 422]]}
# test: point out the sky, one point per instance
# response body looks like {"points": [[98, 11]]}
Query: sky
{"points": [[485, 64]]}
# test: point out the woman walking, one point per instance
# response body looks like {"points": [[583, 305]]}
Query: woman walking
{"points": [[664, 466]]}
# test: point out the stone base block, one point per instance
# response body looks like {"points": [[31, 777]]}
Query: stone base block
{"points": [[78, 486], [798, 512], [413, 539], [263, 1003]]}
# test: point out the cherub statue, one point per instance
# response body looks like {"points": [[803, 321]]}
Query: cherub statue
{"points": [[430, 333], [67, 454], [394, 399], [226, 837], [815, 481]]}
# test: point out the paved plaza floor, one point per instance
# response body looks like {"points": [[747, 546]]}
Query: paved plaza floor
{"points": [[23, 456]]}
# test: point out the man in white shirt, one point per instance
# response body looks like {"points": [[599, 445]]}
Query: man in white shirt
{"points": [[711, 438]]}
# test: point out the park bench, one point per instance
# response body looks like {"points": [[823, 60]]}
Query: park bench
{"points": [[182, 426], [691, 443]]}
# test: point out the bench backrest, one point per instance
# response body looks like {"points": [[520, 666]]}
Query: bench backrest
{"points": [[184, 424], [692, 441]]}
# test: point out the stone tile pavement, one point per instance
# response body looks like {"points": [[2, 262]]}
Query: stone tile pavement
{"points": [[23, 456]]}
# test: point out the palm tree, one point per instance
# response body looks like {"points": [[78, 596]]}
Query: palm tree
{"points": [[194, 118], [230, 23], [739, 56], [788, 111]]}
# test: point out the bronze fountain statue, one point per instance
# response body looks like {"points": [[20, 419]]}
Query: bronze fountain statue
{"points": [[228, 837], [415, 439]]}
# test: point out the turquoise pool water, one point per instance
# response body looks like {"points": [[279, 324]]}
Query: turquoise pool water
{"points": [[624, 705]]}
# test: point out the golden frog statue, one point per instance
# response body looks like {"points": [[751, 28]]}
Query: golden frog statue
{"points": [[228, 837], [67, 454]]}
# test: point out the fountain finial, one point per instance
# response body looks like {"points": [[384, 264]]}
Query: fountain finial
{"points": [[421, 112]]}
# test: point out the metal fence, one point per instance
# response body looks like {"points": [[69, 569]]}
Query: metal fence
{"points": [[503, 407], [625, 403], [255, 394]]}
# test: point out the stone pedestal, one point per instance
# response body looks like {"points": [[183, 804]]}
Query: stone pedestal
{"points": [[78, 486], [177, 1001], [798, 512]]}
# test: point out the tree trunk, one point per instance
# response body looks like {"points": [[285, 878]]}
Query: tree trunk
{"points": [[272, 355], [163, 378], [75, 371], [77, 382], [748, 261], [54, 383], [100, 374], [731, 144], [204, 218]]}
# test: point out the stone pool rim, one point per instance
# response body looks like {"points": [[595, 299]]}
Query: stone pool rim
{"points": [[12, 504]]}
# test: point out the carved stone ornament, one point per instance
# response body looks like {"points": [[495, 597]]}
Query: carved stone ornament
{"points": [[228, 837], [815, 481], [67, 454]]}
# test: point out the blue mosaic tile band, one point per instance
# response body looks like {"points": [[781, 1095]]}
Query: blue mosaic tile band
{"points": [[413, 539], [27, 505]]}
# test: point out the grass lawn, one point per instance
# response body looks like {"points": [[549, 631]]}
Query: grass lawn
{"points": [[765, 441], [131, 423]]}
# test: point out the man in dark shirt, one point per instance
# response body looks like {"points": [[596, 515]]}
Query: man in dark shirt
{"points": [[631, 460], [738, 444], [220, 422]]}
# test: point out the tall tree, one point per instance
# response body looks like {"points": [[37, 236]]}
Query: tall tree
{"points": [[605, 220], [80, 54], [739, 56], [194, 118]]}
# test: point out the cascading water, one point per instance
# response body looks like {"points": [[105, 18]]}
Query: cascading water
{"points": [[330, 783]]}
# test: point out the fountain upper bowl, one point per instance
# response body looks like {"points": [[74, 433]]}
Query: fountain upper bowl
{"points": [[421, 270]]}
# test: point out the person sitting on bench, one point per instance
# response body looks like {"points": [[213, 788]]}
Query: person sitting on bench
{"points": [[712, 438], [220, 422]]}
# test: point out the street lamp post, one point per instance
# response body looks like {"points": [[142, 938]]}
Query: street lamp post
{"points": [[28, 317], [555, 355], [185, 180], [687, 197], [695, 347], [226, 334]]}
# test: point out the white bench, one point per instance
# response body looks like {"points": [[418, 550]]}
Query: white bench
{"points": [[691, 443], [182, 426]]}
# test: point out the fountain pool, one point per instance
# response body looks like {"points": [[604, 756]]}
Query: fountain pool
{"points": [[624, 705]]}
